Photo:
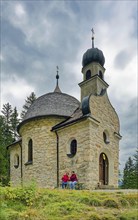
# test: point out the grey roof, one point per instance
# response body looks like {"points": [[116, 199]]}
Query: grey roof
{"points": [[77, 115], [54, 103], [15, 142], [93, 55]]}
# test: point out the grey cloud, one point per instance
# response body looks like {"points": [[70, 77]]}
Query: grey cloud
{"points": [[129, 121], [122, 59]]}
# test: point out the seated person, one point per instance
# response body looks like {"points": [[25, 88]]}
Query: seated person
{"points": [[65, 179], [73, 180]]}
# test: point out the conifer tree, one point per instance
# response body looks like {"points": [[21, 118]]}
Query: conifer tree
{"points": [[8, 133], [14, 123], [7, 112], [129, 175], [136, 169], [28, 102], [5, 139]]}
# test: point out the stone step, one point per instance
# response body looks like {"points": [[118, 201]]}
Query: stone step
{"points": [[105, 187]]}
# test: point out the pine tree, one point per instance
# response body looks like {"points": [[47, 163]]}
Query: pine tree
{"points": [[8, 133], [7, 112], [129, 175], [14, 120], [136, 169], [28, 102], [3, 160], [5, 139]]}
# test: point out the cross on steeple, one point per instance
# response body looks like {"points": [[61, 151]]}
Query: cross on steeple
{"points": [[57, 89], [57, 76], [92, 30]]}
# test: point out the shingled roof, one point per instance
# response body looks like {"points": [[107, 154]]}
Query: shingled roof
{"points": [[54, 103]]}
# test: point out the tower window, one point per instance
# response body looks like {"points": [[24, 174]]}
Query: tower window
{"points": [[30, 150], [73, 148], [16, 161], [88, 74], [106, 137], [101, 74]]}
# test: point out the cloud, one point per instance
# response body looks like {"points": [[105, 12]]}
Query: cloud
{"points": [[15, 90], [122, 59], [19, 10]]}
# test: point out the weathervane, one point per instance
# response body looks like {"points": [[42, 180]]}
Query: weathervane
{"points": [[92, 30], [57, 76]]}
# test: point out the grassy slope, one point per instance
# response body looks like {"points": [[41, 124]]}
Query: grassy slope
{"points": [[30, 203]]}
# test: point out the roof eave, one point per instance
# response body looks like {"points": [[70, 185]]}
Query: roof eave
{"points": [[15, 142], [39, 117], [60, 126]]}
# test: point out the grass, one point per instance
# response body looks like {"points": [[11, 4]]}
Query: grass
{"points": [[32, 203]]}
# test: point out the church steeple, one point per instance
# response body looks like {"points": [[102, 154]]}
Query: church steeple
{"points": [[57, 89], [93, 71]]}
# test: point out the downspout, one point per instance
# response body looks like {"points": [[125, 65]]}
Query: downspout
{"points": [[57, 159], [21, 163]]}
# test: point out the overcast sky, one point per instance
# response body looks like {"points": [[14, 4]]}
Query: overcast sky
{"points": [[36, 36]]}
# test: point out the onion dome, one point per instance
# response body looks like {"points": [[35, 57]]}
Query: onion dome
{"points": [[93, 55]]}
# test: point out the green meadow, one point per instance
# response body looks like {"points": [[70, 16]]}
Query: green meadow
{"points": [[32, 203]]}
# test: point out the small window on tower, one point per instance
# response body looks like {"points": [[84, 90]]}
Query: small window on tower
{"points": [[101, 74], [88, 74], [106, 137]]}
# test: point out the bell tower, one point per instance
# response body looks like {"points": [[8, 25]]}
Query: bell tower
{"points": [[93, 72]]}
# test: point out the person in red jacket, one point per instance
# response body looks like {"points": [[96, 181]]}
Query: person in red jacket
{"points": [[65, 178], [73, 180]]}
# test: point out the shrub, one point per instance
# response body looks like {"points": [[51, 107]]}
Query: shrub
{"points": [[110, 203], [123, 202], [129, 215], [94, 216], [132, 199]]}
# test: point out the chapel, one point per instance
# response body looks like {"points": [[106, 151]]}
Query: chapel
{"points": [[62, 134]]}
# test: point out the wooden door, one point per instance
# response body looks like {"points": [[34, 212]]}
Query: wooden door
{"points": [[103, 169]]}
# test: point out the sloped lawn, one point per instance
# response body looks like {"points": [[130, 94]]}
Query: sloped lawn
{"points": [[31, 203]]}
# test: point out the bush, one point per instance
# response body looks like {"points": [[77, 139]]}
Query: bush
{"points": [[110, 203], [129, 215]]}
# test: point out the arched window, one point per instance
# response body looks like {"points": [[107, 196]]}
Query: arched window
{"points": [[106, 137], [30, 150], [101, 74], [73, 148], [88, 74], [16, 161]]}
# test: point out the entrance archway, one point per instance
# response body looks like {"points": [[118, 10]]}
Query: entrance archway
{"points": [[103, 169]]}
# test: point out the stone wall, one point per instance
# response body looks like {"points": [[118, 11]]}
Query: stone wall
{"points": [[15, 172], [80, 162], [102, 110], [43, 169]]}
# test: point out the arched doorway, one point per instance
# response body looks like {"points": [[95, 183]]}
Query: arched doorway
{"points": [[103, 169]]}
